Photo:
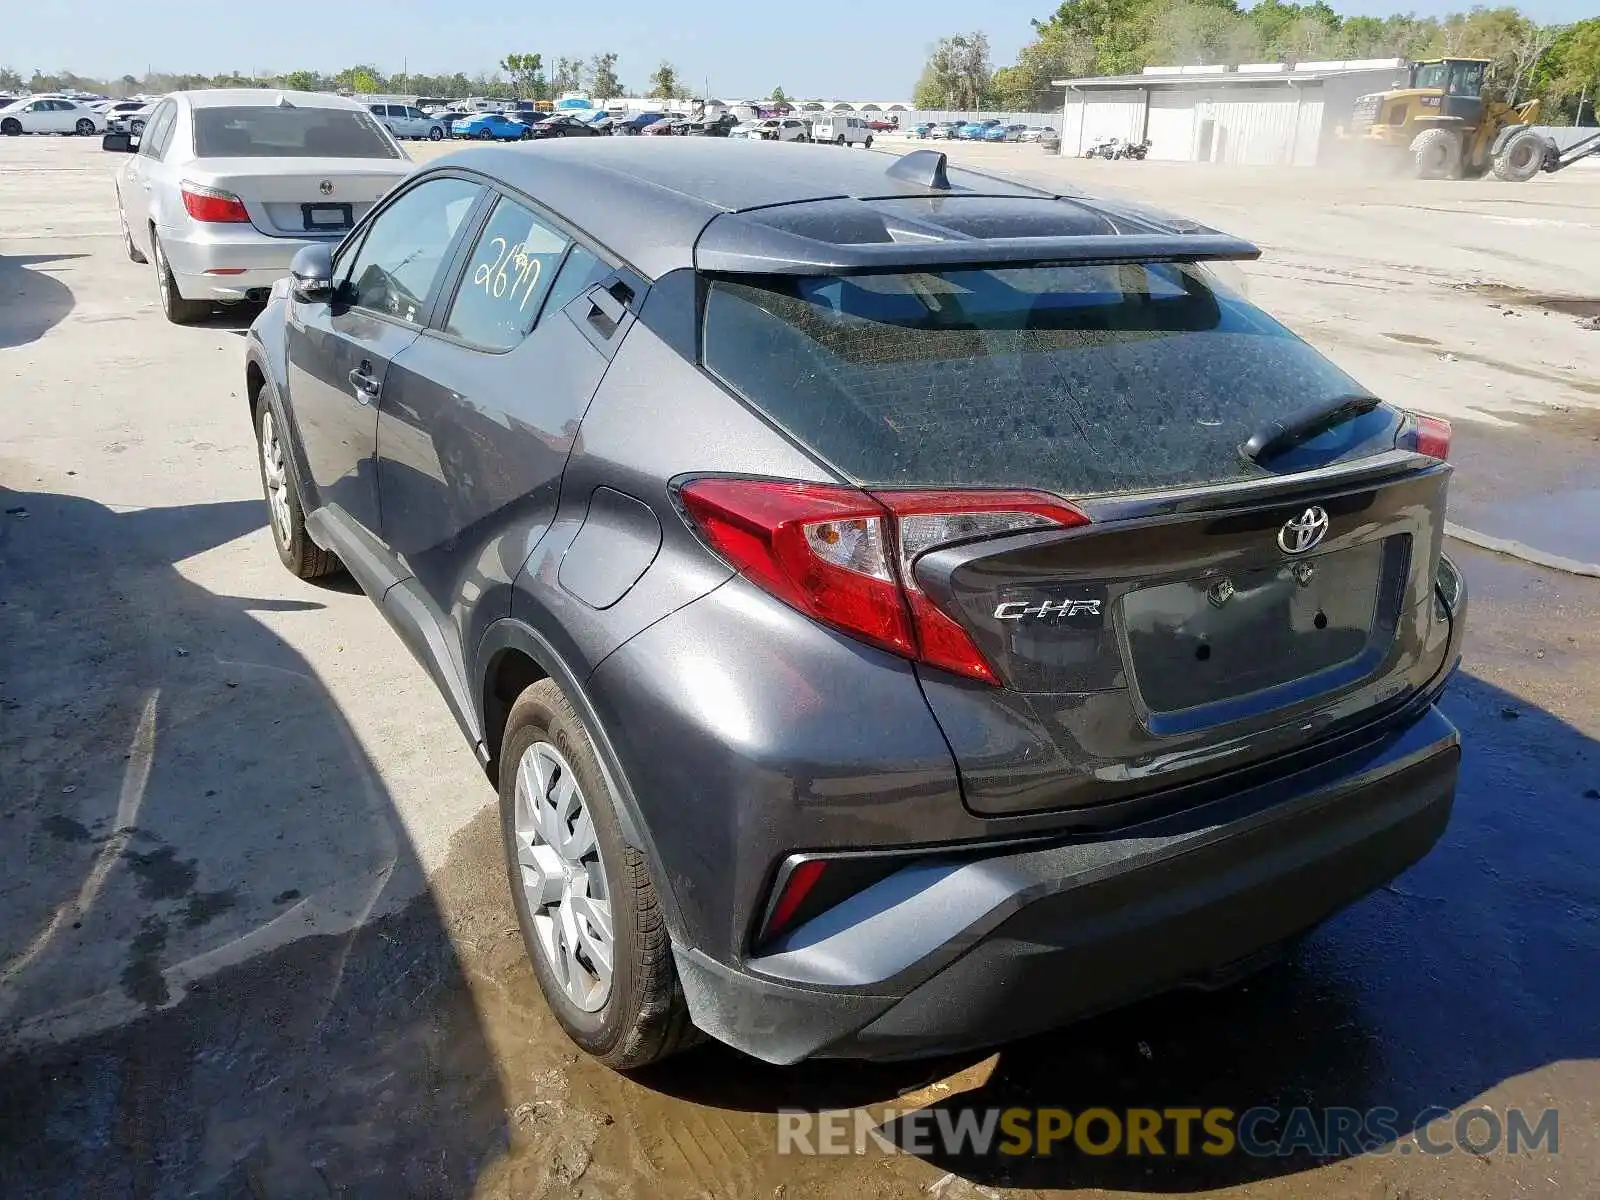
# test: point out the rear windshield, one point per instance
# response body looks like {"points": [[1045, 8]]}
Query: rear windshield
{"points": [[259, 131], [1080, 379]]}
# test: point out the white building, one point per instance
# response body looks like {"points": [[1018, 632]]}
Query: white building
{"points": [[1262, 113]]}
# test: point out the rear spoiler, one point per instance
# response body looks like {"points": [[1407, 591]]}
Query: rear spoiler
{"points": [[731, 245]]}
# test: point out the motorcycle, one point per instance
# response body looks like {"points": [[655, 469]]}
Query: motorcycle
{"points": [[1103, 148], [1133, 149]]}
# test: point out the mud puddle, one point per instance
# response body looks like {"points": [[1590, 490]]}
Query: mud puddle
{"points": [[1585, 308]]}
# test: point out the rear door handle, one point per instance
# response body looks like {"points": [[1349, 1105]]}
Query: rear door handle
{"points": [[604, 304], [365, 386]]}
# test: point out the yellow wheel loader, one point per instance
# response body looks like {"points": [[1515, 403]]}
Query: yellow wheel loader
{"points": [[1443, 127]]}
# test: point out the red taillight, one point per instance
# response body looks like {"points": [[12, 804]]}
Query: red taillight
{"points": [[213, 204], [795, 889], [1432, 437], [845, 557]]}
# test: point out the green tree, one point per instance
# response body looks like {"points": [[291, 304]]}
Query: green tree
{"points": [[957, 75], [10, 80], [664, 82], [603, 81], [779, 96], [527, 75], [360, 79], [300, 81], [1569, 75], [567, 75], [1055, 54]]}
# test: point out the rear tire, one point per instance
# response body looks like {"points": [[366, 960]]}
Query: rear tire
{"points": [[639, 1016], [85, 127], [485, 135], [435, 134], [1436, 154], [1520, 158], [177, 309]]}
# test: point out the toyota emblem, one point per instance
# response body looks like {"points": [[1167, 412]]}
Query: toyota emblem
{"points": [[326, 187], [1301, 533]]}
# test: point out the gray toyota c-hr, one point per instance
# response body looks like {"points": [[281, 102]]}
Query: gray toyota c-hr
{"points": [[902, 610]]}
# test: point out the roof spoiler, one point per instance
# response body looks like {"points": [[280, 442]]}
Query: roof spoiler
{"points": [[729, 244]]}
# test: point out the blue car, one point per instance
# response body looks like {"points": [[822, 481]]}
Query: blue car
{"points": [[976, 131], [489, 127]]}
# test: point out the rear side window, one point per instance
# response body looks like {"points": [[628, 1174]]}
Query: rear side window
{"points": [[1078, 379], [268, 131], [510, 271]]}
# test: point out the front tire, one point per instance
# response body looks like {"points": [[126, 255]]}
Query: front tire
{"points": [[134, 253], [868, 143], [1436, 154], [11, 127], [1521, 157], [296, 550], [177, 309], [585, 902]]}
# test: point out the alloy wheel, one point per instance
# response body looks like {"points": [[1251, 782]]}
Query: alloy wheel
{"points": [[563, 880], [276, 476]]}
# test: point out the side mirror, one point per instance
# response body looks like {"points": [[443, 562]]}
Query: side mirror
{"points": [[121, 143], [311, 273]]}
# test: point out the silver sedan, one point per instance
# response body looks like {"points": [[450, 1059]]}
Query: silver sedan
{"points": [[224, 186]]}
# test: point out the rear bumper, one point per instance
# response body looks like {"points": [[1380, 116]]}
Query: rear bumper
{"points": [[962, 953], [260, 260]]}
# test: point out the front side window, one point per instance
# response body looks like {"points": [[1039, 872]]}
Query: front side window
{"points": [[507, 277], [1431, 75], [1079, 379], [394, 270], [267, 131]]}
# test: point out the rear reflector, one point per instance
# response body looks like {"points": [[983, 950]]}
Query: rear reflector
{"points": [[213, 204], [846, 557], [802, 879]]}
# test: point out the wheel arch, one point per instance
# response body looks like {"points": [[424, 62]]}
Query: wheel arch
{"points": [[511, 655]]}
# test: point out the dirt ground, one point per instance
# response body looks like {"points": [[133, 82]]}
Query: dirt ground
{"points": [[254, 932]]}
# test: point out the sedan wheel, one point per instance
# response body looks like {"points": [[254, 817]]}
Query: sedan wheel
{"points": [[178, 310], [11, 127], [435, 134], [485, 135], [563, 881], [275, 479], [85, 127]]}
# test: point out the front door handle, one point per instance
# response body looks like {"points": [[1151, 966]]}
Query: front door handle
{"points": [[366, 388]]}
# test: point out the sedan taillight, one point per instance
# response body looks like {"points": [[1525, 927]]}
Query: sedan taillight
{"points": [[845, 556], [213, 204]]}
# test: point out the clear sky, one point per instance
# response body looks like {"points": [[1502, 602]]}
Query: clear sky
{"points": [[847, 50]]}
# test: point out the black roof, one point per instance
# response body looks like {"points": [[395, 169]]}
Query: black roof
{"points": [[666, 203]]}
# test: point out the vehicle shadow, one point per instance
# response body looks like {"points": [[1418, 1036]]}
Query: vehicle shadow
{"points": [[1473, 968], [221, 970], [32, 301]]}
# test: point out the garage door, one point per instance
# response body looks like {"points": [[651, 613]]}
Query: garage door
{"points": [[1111, 114], [1171, 127]]}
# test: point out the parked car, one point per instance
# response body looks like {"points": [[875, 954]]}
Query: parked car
{"points": [[1032, 133], [942, 130], [490, 126], [851, 686], [116, 112], [773, 129], [50, 114], [560, 125], [661, 128], [408, 121], [719, 126], [884, 125], [634, 125], [131, 121], [1050, 139], [841, 129], [448, 118], [225, 185], [974, 131]]}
